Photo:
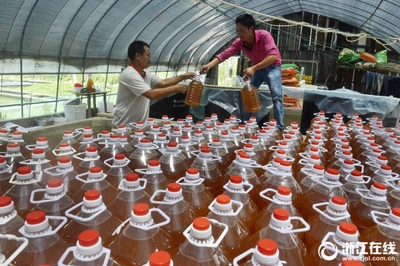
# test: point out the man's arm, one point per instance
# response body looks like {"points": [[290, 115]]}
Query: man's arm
{"points": [[172, 81], [164, 92]]}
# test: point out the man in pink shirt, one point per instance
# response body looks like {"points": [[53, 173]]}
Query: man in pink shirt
{"points": [[259, 46]]}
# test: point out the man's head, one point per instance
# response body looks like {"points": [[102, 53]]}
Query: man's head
{"points": [[139, 54], [245, 26]]}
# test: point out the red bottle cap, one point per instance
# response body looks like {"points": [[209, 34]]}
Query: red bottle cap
{"points": [[145, 140], [386, 167], [17, 133], [267, 247], [315, 157], [338, 200], [332, 171], [379, 186], [192, 171], [65, 144], [313, 149], [88, 238], [132, 177], [64, 159], [92, 194], [40, 139], [24, 170], [201, 223], [281, 152], [160, 258], [348, 228], [12, 145], [91, 149], [348, 161], [5, 201], [174, 187], [105, 132], [54, 182], [345, 152], [248, 145], [285, 163], [119, 156], [2, 160], [38, 151], [283, 190], [356, 173], [281, 214], [95, 169], [351, 262], [236, 179], [318, 166], [141, 209], [383, 158], [36, 217], [395, 211], [173, 144], [244, 156], [68, 132], [87, 135], [223, 199], [154, 163]]}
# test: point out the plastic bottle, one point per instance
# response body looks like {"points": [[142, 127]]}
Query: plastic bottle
{"points": [[384, 232], [154, 132], [144, 152], [280, 198], [180, 212], [261, 153], [102, 137], [70, 137], [88, 159], [194, 192], [17, 137], [173, 162], [38, 161], [371, 166], [158, 258], [230, 147], [249, 149], [65, 171], [89, 250], [187, 146], [218, 148], [148, 124], [265, 253], [24, 182], [91, 213], [243, 167], [95, 179], [44, 243], [194, 92], [10, 220], [304, 166], [90, 84], [251, 99], [42, 143], [385, 175], [198, 137], [53, 199], [237, 138], [65, 149], [5, 175], [141, 237], [122, 130], [237, 190], [206, 164], [345, 238], [371, 200], [156, 180], [118, 169], [326, 220], [113, 146], [209, 134], [201, 247], [86, 142], [291, 248], [13, 156], [11, 247], [84, 130], [175, 135], [281, 176], [225, 210], [321, 191], [353, 181], [136, 127], [131, 192], [161, 141]]}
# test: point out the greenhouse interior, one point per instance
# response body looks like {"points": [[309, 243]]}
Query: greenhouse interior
{"points": [[322, 73]]}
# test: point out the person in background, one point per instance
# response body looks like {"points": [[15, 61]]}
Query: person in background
{"points": [[259, 46], [137, 86]]}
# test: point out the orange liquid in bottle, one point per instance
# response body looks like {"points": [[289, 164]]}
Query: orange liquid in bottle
{"points": [[251, 99], [193, 94]]}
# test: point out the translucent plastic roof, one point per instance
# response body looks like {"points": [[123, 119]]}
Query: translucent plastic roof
{"points": [[93, 35]]}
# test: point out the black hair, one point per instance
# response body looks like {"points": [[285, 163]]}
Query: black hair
{"points": [[246, 20], [136, 47]]}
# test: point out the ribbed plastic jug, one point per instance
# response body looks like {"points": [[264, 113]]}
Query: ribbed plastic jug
{"points": [[118, 169], [355, 180], [251, 99], [141, 237], [194, 92]]}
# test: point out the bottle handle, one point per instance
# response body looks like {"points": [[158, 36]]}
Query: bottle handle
{"points": [[365, 179], [331, 246], [106, 162], [143, 226], [335, 219], [97, 211], [30, 147], [274, 199], [6, 219], [196, 182], [63, 219], [5, 169], [318, 179], [241, 191], [37, 176], [32, 162], [87, 181], [206, 243], [144, 171], [361, 192], [230, 213], [58, 150], [270, 168], [142, 186], [49, 199], [160, 192], [77, 156], [290, 231], [104, 251], [24, 242], [377, 216]]}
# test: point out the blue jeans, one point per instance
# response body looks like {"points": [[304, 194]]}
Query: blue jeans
{"points": [[272, 76]]}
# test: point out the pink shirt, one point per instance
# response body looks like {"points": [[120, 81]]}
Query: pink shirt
{"points": [[263, 46]]}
